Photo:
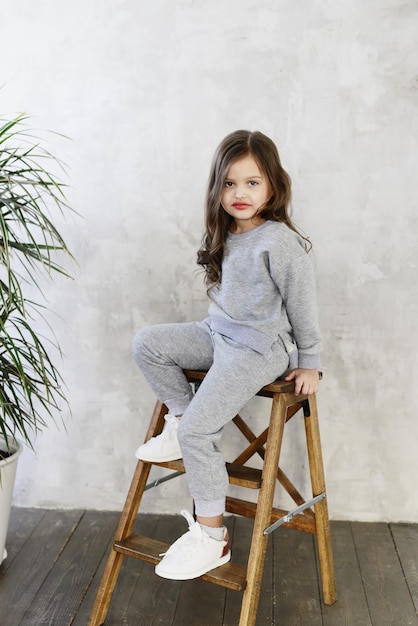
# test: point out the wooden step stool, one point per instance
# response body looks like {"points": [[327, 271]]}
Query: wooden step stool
{"points": [[266, 518]]}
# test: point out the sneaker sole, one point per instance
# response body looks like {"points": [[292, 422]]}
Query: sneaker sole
{"points": [[150, 459], [195, 574]]}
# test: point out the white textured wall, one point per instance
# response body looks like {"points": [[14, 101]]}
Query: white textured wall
{"points": [[146, 90]]}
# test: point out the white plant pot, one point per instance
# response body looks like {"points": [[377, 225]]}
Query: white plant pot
{"points": [[7, 480]]}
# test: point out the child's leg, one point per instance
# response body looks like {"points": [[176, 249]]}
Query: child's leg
{"points": [[235, 376], [163, 351], [237, 373]]}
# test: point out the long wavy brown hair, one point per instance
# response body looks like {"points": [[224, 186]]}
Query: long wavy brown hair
{"points": [[237, 145]]}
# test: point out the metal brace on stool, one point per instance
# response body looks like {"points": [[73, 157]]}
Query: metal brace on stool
{"points": [[289, 516], [163, 479]]}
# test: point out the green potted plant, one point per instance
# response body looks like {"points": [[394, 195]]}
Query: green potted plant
{"points": [[30, 384]]}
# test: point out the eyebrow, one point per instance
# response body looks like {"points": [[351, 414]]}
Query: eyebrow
{"points": [[246, 178]]}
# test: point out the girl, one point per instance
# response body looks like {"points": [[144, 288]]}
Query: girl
{"points": [[262, 322]]}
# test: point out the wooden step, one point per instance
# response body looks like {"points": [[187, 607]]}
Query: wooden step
{"points": [[229, 575], [278, 386], [249, 509], [240, 475]]}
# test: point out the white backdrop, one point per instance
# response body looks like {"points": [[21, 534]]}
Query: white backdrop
{"points": [[145, 91]]}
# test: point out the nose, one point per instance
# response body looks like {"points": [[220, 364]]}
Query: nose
{"points": [[240, 191]]}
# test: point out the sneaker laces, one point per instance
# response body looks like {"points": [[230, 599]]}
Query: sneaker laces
{"points": [[170, 419], [188, 541], [171, 424]]}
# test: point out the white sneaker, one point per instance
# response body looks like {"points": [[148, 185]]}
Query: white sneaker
{"points": [[164, 447], [193, 554]]}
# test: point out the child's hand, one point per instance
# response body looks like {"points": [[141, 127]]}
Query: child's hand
{"points": [[306, 381]]}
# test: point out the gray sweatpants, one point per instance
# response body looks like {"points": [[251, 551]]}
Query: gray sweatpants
{"points": [[235, 374]]}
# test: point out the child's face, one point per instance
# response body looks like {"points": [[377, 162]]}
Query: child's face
{"points": [[246, 190]]}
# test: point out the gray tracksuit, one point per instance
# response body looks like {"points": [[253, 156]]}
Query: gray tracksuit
{"points": [[262, 319]]}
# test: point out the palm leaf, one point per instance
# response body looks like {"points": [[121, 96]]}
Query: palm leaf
{"points": [[31, 388]]}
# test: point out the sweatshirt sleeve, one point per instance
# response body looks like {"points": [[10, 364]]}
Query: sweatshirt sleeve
{"points": [[296, 283]]}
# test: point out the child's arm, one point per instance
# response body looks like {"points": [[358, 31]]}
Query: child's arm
{"points": [[306, 381], [296, 284]]}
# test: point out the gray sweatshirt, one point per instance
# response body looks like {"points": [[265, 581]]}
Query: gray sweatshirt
{"points": [[268, 292]]}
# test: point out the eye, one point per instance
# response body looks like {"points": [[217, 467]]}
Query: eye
{"points": [[253, 183], [228, 183]]}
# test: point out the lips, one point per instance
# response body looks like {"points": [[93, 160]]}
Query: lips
{"points": [[240, 206]]}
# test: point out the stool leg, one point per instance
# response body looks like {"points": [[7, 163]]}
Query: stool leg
{"points": [[263, 515], [316, 465], [125, 526]]}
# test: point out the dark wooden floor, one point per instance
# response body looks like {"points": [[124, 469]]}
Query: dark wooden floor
{"points": [[56, 559]]}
